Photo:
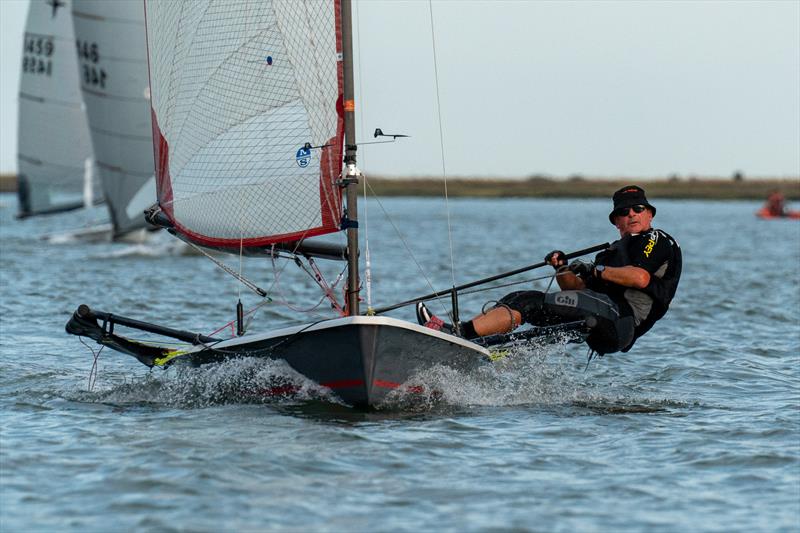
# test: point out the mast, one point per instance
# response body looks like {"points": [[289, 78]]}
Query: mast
{"points": [[350, 180]]}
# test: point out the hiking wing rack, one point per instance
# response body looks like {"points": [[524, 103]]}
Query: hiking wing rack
{"points": [[454, 290]]}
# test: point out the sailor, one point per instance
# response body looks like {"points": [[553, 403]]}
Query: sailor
{"points": [[619, 296], [775, 205]]}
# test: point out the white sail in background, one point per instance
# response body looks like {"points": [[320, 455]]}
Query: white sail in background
{"points": [[112, 57], [240, 90], [53, 137]]}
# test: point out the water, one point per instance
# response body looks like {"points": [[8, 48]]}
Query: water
{"points": [[698, 428]]}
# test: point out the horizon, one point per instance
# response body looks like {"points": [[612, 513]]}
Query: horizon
{"points": [[597, 89]]}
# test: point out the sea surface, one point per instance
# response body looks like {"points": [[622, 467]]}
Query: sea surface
{"points": [[696, 429]]}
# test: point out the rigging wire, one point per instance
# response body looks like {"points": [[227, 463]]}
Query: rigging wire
{"points": [[240, 328], [93, 370], [293, 255], [512, 283], [441, 145], [267, 350], [406, 246], [367, 259], [241, 253], [551, 277], [243, 280], [326, 288], [232, 323]]}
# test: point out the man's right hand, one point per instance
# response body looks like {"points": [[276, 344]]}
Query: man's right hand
{"points": [[556, 259]]}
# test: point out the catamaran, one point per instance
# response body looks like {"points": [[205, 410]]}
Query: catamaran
{"points": [[54, 153], [255, 154]]}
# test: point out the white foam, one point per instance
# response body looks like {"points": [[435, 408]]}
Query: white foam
{"points": [[237, 381]]}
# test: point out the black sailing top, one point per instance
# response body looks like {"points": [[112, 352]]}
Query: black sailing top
{"points": [[657, 253]]}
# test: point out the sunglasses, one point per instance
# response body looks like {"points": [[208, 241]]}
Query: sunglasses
{"points": [[623, 211]]}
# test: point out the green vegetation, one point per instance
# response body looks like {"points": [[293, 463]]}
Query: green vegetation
{"points": [[736, 188], [538, 187], [8, 183]]}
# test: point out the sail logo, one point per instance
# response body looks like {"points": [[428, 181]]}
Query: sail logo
{"points": [[303, 157]]}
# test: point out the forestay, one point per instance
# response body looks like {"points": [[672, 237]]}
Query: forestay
{"points": [[54, 150], [113, 72], [247, 118]]}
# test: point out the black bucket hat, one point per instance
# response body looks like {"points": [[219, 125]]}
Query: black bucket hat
{"points": [[629, 196]]}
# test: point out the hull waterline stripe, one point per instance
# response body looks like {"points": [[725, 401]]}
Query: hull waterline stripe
{"points": [[344, 383]]}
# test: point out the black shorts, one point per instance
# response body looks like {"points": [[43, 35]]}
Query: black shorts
{"points": [[613, 332]]}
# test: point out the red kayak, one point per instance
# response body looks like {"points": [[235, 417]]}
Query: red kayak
{"points": [[765, 214]]}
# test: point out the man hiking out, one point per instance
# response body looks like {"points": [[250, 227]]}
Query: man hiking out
{"points": [[620, 296]]}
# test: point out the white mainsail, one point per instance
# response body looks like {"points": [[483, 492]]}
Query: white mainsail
{"points": [[54, 148], [112, 58], [247, 118]]}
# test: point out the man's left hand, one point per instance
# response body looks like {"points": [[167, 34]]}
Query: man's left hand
{"points": [[582, 269]]}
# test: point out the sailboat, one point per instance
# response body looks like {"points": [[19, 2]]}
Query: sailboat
{"points": [[54, 153], [112, 63], [255, 153]]}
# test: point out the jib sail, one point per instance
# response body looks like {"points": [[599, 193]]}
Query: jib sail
{"points": [[247, 118], [112, 57], [54, 151]]}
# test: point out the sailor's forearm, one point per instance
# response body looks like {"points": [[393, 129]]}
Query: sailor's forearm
{"points": [[569, 281], [627, 276]]}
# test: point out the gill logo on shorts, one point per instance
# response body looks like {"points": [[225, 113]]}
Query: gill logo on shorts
{"points": [[566, 299]]}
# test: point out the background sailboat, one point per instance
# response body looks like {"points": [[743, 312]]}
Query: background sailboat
{"points": [[112, 63], [54, 154]]}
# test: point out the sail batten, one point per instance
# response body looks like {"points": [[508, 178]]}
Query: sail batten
{"points": [[240, 91]]}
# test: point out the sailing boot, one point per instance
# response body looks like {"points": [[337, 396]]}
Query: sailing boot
{"points": [[429, 320]]}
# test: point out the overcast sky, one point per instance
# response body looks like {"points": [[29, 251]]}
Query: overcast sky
{"points": [[626, 88]]}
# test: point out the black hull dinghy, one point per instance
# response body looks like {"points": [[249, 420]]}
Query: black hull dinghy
{"points": [[360, 358], [255, 153]]}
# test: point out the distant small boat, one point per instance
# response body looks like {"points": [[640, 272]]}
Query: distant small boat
{"points": [[775, 207], [765, 214]]}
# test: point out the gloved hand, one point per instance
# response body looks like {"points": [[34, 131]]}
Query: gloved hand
{"points": [[556, 259], [581, 269]]}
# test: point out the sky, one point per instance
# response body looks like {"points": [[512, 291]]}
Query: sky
{"points": [[598, 89]]}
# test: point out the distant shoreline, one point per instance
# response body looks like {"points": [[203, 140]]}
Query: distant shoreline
{"points": [[537, 187], [575, 187]]}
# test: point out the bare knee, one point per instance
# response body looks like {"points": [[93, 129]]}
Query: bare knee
{"points": [[498, 320]]}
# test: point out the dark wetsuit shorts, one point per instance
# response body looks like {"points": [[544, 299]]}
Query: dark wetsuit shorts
{"points": [[612, 333]]}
